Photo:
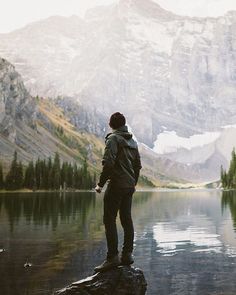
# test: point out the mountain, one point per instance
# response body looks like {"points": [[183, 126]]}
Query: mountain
{"points": [[36, 127], [167, 73], [16, 105]]}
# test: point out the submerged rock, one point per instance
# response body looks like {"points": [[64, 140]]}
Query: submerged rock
{"points": [[123, 280]]}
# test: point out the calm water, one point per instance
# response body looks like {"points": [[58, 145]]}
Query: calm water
{"points": [[185, 241]]}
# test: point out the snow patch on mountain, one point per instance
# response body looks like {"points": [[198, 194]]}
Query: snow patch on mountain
{"points": [[170, 142], [229, 126]]}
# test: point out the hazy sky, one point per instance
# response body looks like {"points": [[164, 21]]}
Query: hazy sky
{"points": [[17, 13]]}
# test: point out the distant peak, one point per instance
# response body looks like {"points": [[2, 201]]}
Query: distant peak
{"points": [[146, 6], [141, 2]]}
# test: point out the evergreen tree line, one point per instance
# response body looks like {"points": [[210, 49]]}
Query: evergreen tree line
{"points": [[48, 174], [228, 178]]}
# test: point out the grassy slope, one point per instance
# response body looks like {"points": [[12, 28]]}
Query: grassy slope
{"points": [[77, 145], [45, 140], [71, 144]]}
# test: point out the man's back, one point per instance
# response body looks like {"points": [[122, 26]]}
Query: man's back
{"points": [[121, 160]]}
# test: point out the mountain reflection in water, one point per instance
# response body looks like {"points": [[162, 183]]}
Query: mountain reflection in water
{"points": [[185, 241]]}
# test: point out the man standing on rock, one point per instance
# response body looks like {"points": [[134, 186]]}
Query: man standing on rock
{"points": [[121, 166]]}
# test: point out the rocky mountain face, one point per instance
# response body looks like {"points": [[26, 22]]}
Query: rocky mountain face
{"points": [[36, 127], [16, 104], [84, 118], [165, 72]]}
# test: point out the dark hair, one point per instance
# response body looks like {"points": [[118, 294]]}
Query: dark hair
{"points": [[117, 120]]}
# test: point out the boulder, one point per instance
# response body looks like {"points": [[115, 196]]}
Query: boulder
{"points": [[123, 280]]}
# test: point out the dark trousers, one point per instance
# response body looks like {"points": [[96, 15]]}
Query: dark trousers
{"points": [[118, 199]]}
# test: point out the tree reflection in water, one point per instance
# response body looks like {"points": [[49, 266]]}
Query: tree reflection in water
{"points": [[229, 200], [44, 210], [45, 229], [63, 237]]}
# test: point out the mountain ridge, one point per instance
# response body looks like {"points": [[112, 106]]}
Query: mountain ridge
{"points": [[31, 127], [164, 72], [40, 127]]}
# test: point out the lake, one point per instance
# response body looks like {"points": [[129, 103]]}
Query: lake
{"points": [[185, 241]]}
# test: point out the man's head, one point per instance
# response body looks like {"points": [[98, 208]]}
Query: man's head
{"points": [[117, 120]]}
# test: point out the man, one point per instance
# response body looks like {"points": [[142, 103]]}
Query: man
{"points": [[121, 166]]}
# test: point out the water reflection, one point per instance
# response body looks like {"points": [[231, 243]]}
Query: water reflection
{"points": [[229, 200], [184, 241], [47, 211], [187, 245], [45, 230], [171, 239]]}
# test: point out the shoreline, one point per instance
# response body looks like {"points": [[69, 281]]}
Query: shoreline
{"points": [[27, 191], [145, 189]]}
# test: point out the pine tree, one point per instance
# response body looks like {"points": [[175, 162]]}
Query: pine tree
{"points": [[56, 172], [234, 181], [1, 177], [232, 169], [64, 174], [29, 180], [50, 174], [11, 178], [69, 178], [44, 175], [223, 177], [75, 176], [78, 178], [85, 167], [19, 176], [38, 174]]}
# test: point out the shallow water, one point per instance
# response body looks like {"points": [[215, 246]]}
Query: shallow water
{"points": [[185, 241]]}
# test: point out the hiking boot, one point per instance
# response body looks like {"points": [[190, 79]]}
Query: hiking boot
{"points": [[127, 258], [108, 264]]}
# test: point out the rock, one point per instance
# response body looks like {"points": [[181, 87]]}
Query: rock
{"points": [[16, 104], [123, 280]]}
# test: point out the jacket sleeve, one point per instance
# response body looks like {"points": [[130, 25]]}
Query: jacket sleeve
{"points": [[108, 161], [137, 166]]}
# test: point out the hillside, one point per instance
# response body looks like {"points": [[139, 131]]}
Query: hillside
{"points": [[35, 127]]}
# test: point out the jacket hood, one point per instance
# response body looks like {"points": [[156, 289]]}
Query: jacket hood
{"points": [[124, 136], [123, 131]]}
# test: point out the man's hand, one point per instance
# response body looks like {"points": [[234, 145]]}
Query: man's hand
{"points": [[98, 189]]}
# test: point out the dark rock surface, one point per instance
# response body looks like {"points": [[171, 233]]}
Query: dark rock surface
{"points": [[123, 280], [16, 104]]}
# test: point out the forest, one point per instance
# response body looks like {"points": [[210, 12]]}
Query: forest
{"points": [[46, 174]]}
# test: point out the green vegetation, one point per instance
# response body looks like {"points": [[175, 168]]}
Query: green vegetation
{"points": [[47, 174], [1, 177], [15, 177], [228, 179], [229, 201]]}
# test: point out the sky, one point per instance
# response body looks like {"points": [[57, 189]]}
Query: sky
{"points": [[15, 14]]}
